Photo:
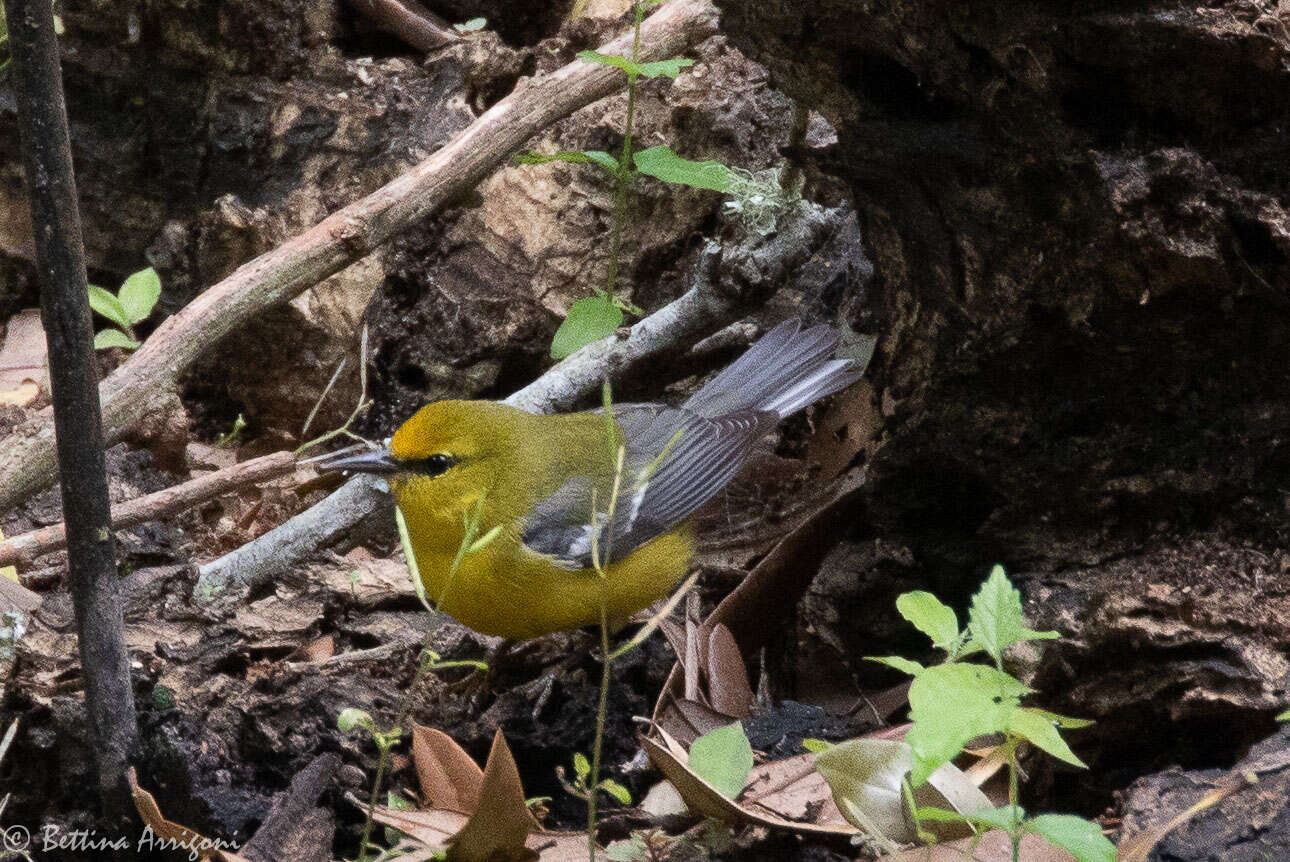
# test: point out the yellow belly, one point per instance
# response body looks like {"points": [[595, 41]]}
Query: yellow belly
{"points": [[508, 591]]}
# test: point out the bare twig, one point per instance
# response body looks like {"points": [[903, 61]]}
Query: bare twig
{"points": [[409, 20], [150, 376], [78, 433], [23, 549]]}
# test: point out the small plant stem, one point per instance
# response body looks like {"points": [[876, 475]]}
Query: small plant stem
{"points": [[624, 164], [382, 764], [371, 803], [602, 710], [1013, 792]]}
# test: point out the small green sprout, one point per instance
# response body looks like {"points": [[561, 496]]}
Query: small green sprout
{"points": [[132, 304]]}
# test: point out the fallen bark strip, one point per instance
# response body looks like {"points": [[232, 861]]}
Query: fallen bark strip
{"points": [[21, 550], [151, 375], [726, 284]]}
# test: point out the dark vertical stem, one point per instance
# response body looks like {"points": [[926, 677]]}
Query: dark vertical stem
{"points": [[65, 311]]}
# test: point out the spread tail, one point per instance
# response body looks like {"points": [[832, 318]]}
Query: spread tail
{"points": [[787, 369]]}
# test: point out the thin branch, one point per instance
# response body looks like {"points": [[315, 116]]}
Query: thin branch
{"points": [[21, 550], [151, 375], [410, 21], [78, 432]]}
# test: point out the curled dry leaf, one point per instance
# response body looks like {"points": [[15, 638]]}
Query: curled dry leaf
{"points": [[751, 613], [501, 822], [773, 792], [171, 833], [866, 774], [729, 691]]}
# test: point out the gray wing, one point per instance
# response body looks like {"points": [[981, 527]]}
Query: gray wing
{"points": [[700, 456]]}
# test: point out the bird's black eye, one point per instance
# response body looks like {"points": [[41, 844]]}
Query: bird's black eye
{"points": [[431, 465]]}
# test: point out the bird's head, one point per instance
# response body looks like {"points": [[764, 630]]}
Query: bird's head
{"points": [[443, 457]]}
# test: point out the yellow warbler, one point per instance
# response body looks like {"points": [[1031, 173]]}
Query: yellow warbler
{"points": [[553, 497]]}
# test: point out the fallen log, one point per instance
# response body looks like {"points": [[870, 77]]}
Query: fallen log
{"points": [[152, 374]]}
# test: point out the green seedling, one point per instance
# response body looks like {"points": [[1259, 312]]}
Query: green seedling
{"points": [[595, 317], [130, 305], [956, 701]]}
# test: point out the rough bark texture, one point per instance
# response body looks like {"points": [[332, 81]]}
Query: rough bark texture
{"points": [[65, 312], [1077, 216]]}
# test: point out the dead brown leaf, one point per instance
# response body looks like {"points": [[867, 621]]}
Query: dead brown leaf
{"points": [[318, 649], [847, 428], [172, 834], [479, 815], [773, 789], [751, 612], [23, 359], [993, 846], [501, 821], [728, 688], [449, 778]]}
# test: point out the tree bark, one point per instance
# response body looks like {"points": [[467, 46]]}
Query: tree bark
{"points": [[143, 383], [78, 435]]}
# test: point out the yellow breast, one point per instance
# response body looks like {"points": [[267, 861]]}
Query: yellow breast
{"points": [[508, 591]]}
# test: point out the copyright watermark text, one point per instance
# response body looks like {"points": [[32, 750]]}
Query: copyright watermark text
{"points": [[52, 837]]}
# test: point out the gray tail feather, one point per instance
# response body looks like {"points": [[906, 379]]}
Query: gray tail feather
{"points": [[787, 369]]}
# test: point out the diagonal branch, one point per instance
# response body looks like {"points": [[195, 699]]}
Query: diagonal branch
{"points": [[141, 385]]}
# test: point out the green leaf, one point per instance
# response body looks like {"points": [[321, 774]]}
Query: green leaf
{"points": [[1038, 729], [992, 818], [930, 616], [113, 338], [589, 320], [663, 164], [139, 294], [1285, 716], [581, 766], [953, 703], [1081, 838], [577, 157], [815, 746], [105, 303], [901, 664], [671, 68], [1064, 721], [723, 758], [352, 717], [996, 617], [616, 790], [471, 26]]}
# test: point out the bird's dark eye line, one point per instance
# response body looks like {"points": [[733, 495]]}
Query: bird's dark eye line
{"points": [[431, 465]]}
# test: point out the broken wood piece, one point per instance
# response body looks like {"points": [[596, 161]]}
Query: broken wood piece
{"points": [[296, 827], [408, 20], [23, 549], [151, 374]]}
